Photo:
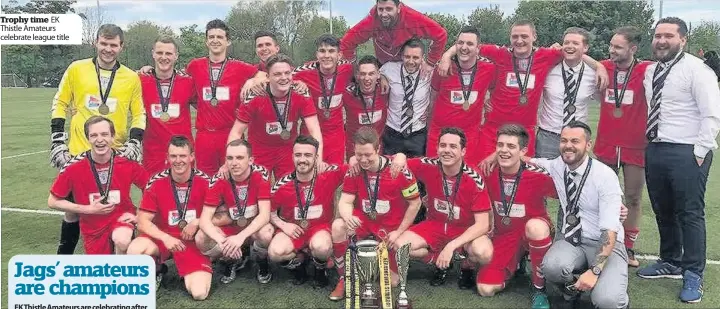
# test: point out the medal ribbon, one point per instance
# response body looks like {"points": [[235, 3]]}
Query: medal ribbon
{"points": [[304, 208], [182, 208], [214, 82], [165, 101], [402, 80], [281, 118], [572, 205], [106, 94], [507, 205], [241, 210], [104, 192], [456, 187], [619, 98], [572, 93], [368, 111], [326, 98], [523, 85], [466, 93], [373, 195]]}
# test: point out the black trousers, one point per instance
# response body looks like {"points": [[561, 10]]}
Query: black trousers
{"points": [[676, 185], [412, 145]]}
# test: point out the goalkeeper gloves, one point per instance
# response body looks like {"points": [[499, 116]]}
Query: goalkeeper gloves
{"points": [[132, 150], [59, 152]]}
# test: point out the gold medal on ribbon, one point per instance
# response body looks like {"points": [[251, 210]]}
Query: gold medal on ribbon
{"points": [[182, 224], [617, 112], [164, 116], [242, 222], [104, 109], [466, 105], [285, 134], [506, 221], [214, 102], [304, 223]]}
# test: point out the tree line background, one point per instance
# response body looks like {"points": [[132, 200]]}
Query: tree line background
{"points": [[298, 23]]}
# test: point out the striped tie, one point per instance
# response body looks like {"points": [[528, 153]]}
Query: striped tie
{"points": [[572, 232], [654, 116], [407, 110], [569, 105]]}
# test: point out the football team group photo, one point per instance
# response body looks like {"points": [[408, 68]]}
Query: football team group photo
{"points": [[484, 165]]}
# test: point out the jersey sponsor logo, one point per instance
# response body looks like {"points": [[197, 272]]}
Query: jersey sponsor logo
{"points": [[93, 102], [511, 81], [374, 117], [313, 212], [113, 197], [274, 128], [174, 217], [173, 110], [517, 210], [381, 206], [457, 97], [250, 212], [334, 101], [443, 207], [221, 93], [628, 98]]}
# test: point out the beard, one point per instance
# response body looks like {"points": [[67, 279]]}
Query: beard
{"points": [[668, 54]]}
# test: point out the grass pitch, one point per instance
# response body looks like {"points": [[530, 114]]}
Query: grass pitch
{"points": [[27, 175]]}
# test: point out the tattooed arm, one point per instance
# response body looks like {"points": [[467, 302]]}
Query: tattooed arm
{"points": [[607, 243]]}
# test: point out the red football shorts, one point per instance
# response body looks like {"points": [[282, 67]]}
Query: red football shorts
{"points": [[608, 154], [371, 227], [187, 261], [488, 140], [303, 241], [333, 145], [509, 247], [436, 233], [231, 229], [210, 150], [277, 160], [101, 242], [473, 156]]}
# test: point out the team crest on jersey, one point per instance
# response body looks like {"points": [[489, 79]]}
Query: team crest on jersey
{"points": [[371, 182], [242, 192], [508, 186], [449, 185], [103, 175], [281, 108], [164, 88], [466, 78], [104, 80], [523, 64], [308, 194], [215, 73], [622, 77], [182, 193]]}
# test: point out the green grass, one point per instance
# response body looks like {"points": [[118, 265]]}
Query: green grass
{"points": [[25, 183]]}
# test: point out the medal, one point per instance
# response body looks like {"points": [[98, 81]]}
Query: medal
{"points": [[164, 116], [619, 97], [327, 94], [104, 191], [241, 222], [285, 134], [304, 223], [164, 95], [523, 99], [327, 114], [182, 207], [104, 109], [282, 117], [571, 108], [372, 214], [182, 224], [506, 221], [409, 113], [214, 82], [214, 102], [450, 191], [617, 112], [466, 83], [572, 219]]}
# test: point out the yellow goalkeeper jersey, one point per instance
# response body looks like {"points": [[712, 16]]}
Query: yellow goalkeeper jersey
{"points": [[79, 92]]}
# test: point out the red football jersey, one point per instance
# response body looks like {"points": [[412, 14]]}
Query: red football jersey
{"points": [[77, 178], [448, 107], [264, 129], [535, 185], [391, 197], [628, 130], [370, 110], [310, 75], [471, 196], [158, 132], [159, 199], [247, 193], [234, 75], [322, 197], [506, 95]]}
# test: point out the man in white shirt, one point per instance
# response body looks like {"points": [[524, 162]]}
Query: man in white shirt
{"points": [[589, 235], [406, 127], [568, 90], [683, 123]]}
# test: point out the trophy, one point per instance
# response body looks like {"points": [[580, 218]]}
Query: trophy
{"points": [[402, 257], [368, 267]]}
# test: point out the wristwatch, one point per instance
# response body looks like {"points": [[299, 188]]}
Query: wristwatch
{"points": [[596, 270]]}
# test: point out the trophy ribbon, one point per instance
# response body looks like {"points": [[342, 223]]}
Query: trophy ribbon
{"points": [[385, 285], [349, 279]]}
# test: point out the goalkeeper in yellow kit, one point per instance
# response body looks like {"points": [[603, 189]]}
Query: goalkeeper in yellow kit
{"points": [[96, 86]]}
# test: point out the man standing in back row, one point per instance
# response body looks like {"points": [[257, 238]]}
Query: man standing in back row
{"points": [[621, 130], [682, 126], [390, 24]]}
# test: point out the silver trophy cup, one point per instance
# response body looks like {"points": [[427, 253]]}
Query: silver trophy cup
{"points": [[368, 268], [402, 256]]}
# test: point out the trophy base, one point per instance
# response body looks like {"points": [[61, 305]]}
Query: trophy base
{"points": [[367, 302], [403, 304]]}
